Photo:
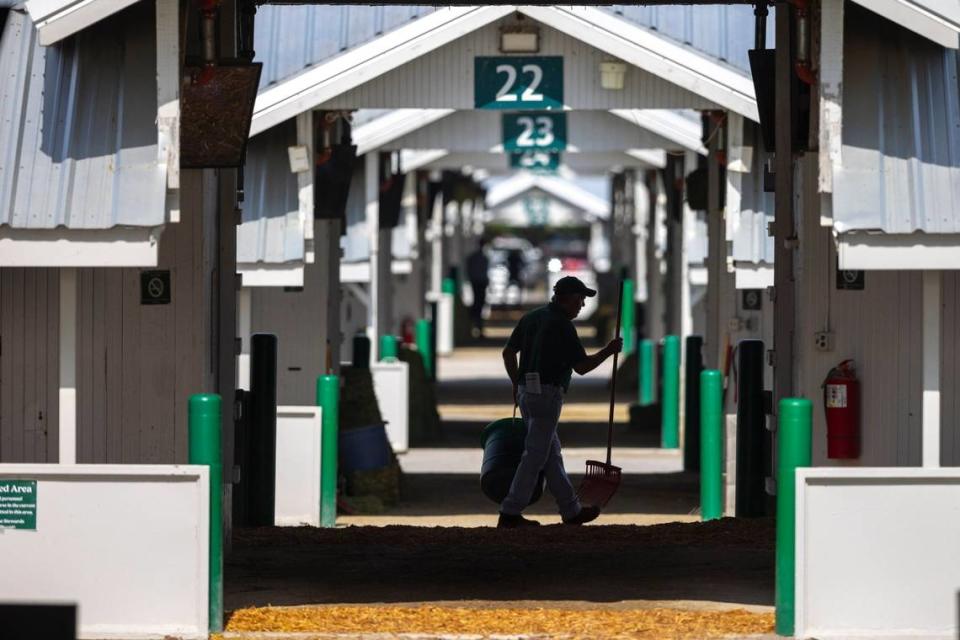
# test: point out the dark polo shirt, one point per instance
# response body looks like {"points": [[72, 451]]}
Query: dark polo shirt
{"points": [[548, 344]]}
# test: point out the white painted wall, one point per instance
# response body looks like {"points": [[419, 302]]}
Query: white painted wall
{"points": [[445, 78], [881, 328], [300, 319], [29, 364], [136, 365], [299, 450], [877, 553], [127, 543], [950, 371]]}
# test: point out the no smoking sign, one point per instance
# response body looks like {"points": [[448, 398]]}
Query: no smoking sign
{"points": [[154, 287]]}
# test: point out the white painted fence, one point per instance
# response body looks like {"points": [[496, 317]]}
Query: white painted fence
{"points": [[878, 552], [127, 543], [391, 383], [298, 466]]}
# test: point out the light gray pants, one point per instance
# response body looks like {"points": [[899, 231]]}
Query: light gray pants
{"points": [[541, 452]]}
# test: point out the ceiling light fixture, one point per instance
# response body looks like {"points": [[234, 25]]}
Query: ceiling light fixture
{"points": [[519, 39]]}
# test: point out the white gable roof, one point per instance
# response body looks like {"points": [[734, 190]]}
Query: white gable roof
{"points": [[57, 19], [936, 20], [514, 187], [326, 80], [714, 81]]}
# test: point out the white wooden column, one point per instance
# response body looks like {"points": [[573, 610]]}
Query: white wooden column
{"points": [[244, 331], [656, 229], [686, 299], [384, 302], [305, 184], [932, 308], [68, 367], [641, 216], [328, 233], [436, 248], [372, 192]]}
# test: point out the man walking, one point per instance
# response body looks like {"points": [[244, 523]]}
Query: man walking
{"points": [[478, 269], [550, 351]]}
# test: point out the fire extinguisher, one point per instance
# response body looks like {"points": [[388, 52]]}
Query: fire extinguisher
{"points": [[841, 403]]}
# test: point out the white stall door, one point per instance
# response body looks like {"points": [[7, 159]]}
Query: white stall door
{"points": [[298, 466], [878, 553], [128, 544], [391, 383]]}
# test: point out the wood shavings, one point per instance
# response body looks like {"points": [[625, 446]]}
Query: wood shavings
{"points": [[659, 623]]}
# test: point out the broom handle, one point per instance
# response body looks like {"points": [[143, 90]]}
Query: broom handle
{"points": [[613, 376]]}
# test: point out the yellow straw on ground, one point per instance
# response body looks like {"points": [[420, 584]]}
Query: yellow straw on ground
{"points": [[595, 623]]}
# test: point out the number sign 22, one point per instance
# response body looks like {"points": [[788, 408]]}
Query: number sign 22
{"points": [[534, 132], [502, 82]]}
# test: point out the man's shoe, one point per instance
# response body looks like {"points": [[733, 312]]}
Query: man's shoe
{"points": [[508, 521], [586, 515]]}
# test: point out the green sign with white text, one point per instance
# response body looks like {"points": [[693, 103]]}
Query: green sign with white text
{"points": [[536, 161], [537, 210], [18, 504], [522, 82], [534, 132]]}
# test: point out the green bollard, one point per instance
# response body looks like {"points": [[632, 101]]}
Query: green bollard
{"points": [[794, 436], [388, 348], [328, 398], [204, 448], [670, 406], [646, 373], [449, 285], [425, 345], [711, 445], [628, 318]]}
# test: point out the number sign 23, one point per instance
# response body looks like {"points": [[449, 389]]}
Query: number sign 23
{"points": [[534, 131], [518, 83]]}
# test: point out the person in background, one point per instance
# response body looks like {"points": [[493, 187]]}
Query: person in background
{"points": [[478, 271], [550, 351], [515, 266]]}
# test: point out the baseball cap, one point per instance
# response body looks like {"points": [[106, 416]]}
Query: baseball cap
{"points": [[569, 284]]}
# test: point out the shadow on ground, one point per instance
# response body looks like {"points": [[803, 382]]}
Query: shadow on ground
{"points": [[726, 560]]}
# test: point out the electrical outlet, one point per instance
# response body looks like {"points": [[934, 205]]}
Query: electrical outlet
{"points": [[823, 340]]}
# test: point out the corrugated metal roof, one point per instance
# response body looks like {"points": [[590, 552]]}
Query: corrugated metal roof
{"points": [[78, 131], [724, 32], [292, 38], [273, 229], [900, 168]]}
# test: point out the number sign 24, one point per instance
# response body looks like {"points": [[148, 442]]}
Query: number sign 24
{"points": [[502, 82], [534, 132]]}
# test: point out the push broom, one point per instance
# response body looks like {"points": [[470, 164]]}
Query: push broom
{"points": [[603, 478]]}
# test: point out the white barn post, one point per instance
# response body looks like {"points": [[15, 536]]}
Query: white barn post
{"points": [[68, 366], [932, 303], [372, 193]]}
